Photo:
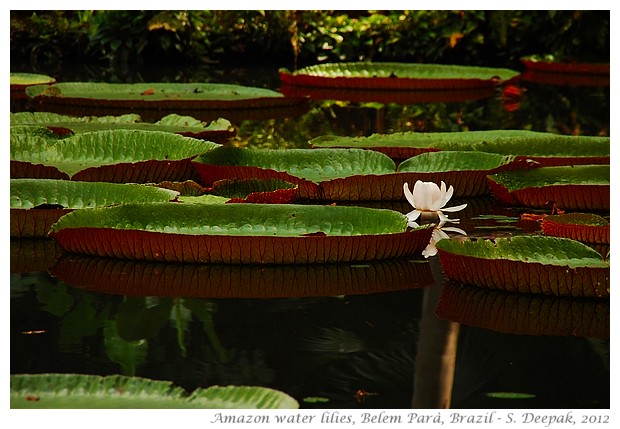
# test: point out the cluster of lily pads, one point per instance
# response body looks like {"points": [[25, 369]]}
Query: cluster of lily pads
{"points": [[174, 190]]}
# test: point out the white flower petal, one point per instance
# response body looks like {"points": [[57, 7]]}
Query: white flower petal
{"points": [[408, 194], [455, 208], [413, 215], [454, 229]]}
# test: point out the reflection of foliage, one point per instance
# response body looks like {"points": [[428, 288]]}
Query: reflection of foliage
{"points": [[129, 354]]}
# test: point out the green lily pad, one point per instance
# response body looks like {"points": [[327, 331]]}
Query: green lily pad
{"points": [[545, 148], [527, 264], [218, 131], [524, 314], [36, 204], [580, 187], [20, 81], [136, 96], [240, 233], [112, 155], [30, 79], [117, 391], [584, 227], [352, 174], [465, 170], [387, 75]]}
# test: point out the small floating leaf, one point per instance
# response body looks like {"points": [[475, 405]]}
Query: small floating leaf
{"points": [[584, 227]]}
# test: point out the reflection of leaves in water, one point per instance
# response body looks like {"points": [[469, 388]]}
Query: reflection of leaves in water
{"points": [[129, 354], [139, 317], [54, 296]]}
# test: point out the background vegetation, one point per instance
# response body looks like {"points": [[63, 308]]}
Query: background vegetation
{"points": [[298, 38]]}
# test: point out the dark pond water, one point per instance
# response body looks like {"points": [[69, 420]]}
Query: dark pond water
{"points": [[383, 335]]}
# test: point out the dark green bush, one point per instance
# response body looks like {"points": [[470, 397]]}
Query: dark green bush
{"points": [[490, 38]]}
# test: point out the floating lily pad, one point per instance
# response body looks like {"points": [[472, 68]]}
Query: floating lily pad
{"points": [[465, 170], [218, 131], [118, 391], [138, 278], [397, 76], [109, 156], [36, 204], [527, 264], [240, 233], [524, 314], [584, 227], [20, 81], [551, 64], [157, 98], [581, 187], [353, 174], [545, 148], [308, 169]]}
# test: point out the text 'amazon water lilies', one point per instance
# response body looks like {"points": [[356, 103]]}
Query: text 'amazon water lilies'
{"points": [[428, 201]]}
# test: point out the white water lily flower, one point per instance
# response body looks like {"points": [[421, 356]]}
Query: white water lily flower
{"points": [[428, 200], [439, 233]]}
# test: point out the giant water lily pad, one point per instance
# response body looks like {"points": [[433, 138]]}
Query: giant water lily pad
{"points": [[111, 156], [157, 99], [140, 278], [218, 131], [584, 227], [524, 314], [240, 233], [581, 187], [118, 391], [36, 204], [527, 264], [21, 81], [545, 148], [398, 76], [352, 174], [465, 170]]}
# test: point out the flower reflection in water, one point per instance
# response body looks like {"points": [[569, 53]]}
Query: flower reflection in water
{"points": [[428, 201]]}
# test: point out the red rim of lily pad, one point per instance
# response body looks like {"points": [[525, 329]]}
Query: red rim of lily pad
{"points": [[572, 67], [524, 314], [28, 170], [566, 197], [34, 222], [368, 187], [395, 76], [115, 276], [529, 276], [566, 79], [227, 249], [584, 227], [131, 172]]}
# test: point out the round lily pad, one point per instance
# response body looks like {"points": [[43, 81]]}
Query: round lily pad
{"points": [[527, 264], [240, 233]]}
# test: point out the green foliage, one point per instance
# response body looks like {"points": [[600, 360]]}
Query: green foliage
{"points": [[458, 37]]}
